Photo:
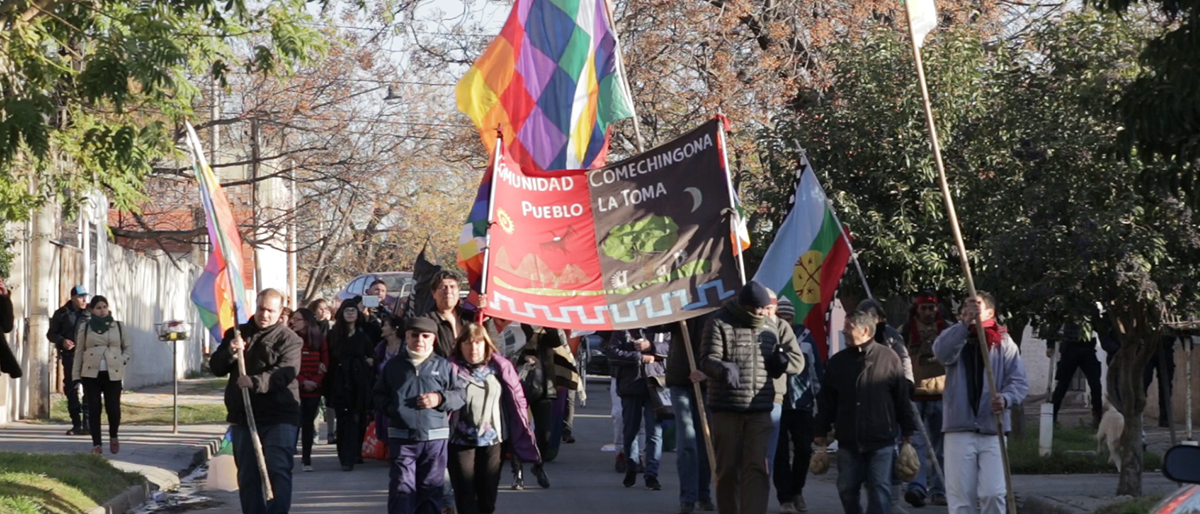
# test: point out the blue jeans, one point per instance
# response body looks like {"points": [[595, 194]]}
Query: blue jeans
{"points": [[872, 468], [773, 442], [279, 448], [691, 457], [927, 481], [633, 410]]}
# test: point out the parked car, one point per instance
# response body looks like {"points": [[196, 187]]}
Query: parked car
{"points": [[591, 353], [400, 284], [1181, 464]]}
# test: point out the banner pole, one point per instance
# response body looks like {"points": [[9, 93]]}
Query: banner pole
{"points": [[735, 218], [268, 492], [699, 404], [487, 248], [962, 255], [637, 126]]}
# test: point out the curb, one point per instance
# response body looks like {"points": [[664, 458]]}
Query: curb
{"points": [[125, 501], [1042, 505], [137, 494]]}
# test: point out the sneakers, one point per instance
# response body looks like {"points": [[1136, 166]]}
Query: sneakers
{"points": [[567, 437], [114, 446], [622, 462], [938, 499], [652, 484], [347, 468], [787, 508], [630, 477], [308, 468], [914, 498], [706, 506], [798, 502], [687, 508], [75, 431], [539, 472], [97, 450]]}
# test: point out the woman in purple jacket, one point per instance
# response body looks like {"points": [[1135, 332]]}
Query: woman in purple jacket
{"points": [[495, 414], [391, 346]]}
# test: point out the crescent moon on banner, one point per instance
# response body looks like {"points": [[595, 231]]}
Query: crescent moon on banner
{"points": [[697, 198]]}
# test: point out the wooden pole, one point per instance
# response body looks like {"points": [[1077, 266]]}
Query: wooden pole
{"points": [[198, 153], [962, 257], [699, 403]]}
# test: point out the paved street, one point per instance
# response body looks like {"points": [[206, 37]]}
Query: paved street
{"points": [[582, 480]]}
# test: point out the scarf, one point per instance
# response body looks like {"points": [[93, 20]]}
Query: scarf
{"points": [[739, 312], [101, 325], [993, 332], [418, 358], [973, 362]]}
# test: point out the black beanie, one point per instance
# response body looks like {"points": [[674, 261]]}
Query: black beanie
{"points": [[754, 295]]}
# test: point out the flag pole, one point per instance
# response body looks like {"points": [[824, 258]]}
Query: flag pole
{"points": [[683, 329], [637, 126], [805, 164], [268, 492], [962, 253], [487, 246]]}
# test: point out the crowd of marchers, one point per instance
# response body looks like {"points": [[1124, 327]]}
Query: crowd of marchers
{"points": [[453, 396]]}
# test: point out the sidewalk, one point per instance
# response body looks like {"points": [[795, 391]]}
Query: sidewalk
{"points": [[150, 450]]}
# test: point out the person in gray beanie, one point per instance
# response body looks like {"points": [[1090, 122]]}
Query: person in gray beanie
{"points": [[741, 353]]}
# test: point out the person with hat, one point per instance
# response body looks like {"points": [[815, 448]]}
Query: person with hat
{"points": [[418, 390], [742, 354], [64, 324], [925, 322]]}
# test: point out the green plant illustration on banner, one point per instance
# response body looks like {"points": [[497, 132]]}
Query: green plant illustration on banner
{"points": [[631, 241]]}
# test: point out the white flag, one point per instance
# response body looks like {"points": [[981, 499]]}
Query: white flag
{"points": [[922, 18]]}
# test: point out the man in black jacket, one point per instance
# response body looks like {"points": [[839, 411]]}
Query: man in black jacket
{"points": [[418, 390], [741, 353], [63, 326], [8, 362], [450, 317], [863, 395], [272, 355]]}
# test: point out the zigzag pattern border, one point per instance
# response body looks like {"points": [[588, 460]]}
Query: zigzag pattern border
{"points": [[504, 303]]}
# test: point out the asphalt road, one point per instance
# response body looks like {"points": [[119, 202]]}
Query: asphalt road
{"points": [[582, 480]]}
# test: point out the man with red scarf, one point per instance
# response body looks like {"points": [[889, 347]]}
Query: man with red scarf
{"points": [[925, 322], [974, 466]]}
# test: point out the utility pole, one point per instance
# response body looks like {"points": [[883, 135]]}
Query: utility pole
{"points": [[293, 274], [255, 155], [43, 298]]}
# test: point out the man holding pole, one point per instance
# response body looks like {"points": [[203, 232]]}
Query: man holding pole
{"points": [[691, 461], [271, 353], [975, 480], [737, 348]]}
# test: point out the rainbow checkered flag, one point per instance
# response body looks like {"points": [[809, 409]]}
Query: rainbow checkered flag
{"points": [[552, 83]]}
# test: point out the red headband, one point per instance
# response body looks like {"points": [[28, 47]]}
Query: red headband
{"points": [[926, 299]]}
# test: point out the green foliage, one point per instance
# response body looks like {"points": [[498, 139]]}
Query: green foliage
{"points": [[1143, 505], [1070, 455], [92, 93], [60, 483], [629, 242], [1161, 108]]}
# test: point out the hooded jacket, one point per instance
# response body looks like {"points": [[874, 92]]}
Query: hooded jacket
{"points": [[733, 355], [958, 415], [520, 436], [272, 361], [400, 385]]}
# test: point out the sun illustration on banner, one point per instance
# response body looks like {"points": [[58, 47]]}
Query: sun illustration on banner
{"points": [[806, 276], [506, 222]]}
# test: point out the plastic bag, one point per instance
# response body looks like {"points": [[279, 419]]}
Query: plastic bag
{"points": [[907, 465], [372, 447]]}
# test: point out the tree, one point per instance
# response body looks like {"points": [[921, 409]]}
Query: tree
{"points": [[1048, 207]]}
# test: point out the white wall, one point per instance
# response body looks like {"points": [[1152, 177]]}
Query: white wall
{"points": [[144, 290]]}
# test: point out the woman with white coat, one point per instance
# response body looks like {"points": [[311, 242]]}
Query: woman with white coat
{"points": [[101, 354]]}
